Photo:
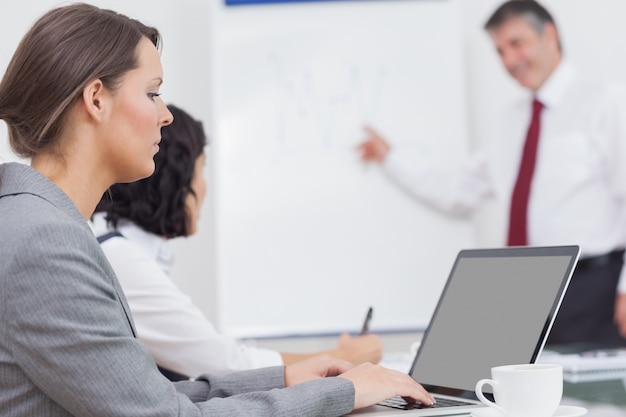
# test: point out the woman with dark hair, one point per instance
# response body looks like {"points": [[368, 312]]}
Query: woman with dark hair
{"points": [[80, 98], [134, 222], [164, 204]]}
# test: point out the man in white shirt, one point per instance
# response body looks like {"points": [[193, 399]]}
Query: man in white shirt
{"points": [[578, 186]]}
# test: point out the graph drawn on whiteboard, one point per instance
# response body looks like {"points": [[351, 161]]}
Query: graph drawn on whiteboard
{"points": [[308, 118], [296, 211]]}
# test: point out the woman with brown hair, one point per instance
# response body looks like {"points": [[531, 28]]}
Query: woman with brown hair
{"points": [[80, 98]]}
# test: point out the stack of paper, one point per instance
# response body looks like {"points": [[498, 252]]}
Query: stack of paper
{"points": [[592, 365]]}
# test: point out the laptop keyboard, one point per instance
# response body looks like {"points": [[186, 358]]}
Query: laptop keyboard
{"points": [[400, 403]]}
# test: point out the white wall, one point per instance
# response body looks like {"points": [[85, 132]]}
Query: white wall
{"points": [[183, 25], [592, 33]]}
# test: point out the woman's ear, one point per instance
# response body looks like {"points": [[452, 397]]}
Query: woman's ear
{"points": [[94, 99]]}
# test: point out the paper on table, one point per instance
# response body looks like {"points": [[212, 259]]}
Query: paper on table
{"points": [[588, 361]]}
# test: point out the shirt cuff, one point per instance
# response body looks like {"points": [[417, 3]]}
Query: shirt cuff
{"points": [[263, 358], [621, 285]]}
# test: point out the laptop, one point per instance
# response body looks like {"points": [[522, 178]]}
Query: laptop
{"points": [[497, 308]]}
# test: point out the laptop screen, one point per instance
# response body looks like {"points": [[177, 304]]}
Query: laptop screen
{"points": [[496, 309]]}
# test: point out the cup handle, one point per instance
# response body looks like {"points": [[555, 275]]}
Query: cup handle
{"points": [[485, 400]]}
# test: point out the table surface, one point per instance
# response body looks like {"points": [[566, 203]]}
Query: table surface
{"points": [[603, 394], [602, 398]]}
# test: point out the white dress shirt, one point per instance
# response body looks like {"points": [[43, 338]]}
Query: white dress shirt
{"points": [[174, 330], [578, 192]]}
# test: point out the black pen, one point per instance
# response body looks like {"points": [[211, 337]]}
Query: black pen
{"points": [[366, 323]]}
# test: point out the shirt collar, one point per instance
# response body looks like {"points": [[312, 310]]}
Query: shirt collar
{"points": [[553, 91], [155, 246], [19, 178]]}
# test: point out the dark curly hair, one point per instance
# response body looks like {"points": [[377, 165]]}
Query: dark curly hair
{"points": [[157, 203]]}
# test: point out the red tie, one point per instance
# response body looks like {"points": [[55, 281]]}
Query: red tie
{"points": [[518, 231]]}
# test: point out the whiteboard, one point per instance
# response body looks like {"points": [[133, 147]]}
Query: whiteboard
{"points": [[307, 237]]}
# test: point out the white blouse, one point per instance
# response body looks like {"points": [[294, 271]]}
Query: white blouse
{"points": [[174, 330]]}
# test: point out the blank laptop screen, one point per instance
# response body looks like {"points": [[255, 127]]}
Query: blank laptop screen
{"points": [[493, 311]]}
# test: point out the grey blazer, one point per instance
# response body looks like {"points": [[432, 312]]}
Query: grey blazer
{"points": [[67, 339]]}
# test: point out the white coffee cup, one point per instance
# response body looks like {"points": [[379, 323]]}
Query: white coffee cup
{"points": [[524, 390]]}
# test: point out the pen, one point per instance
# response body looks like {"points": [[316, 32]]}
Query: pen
{"points": [[366, 323]]}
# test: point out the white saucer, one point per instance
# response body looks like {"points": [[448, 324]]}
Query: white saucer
{"points": [[562, 411]]}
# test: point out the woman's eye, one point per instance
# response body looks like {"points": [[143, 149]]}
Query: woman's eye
{"points": [[153, 95]]}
